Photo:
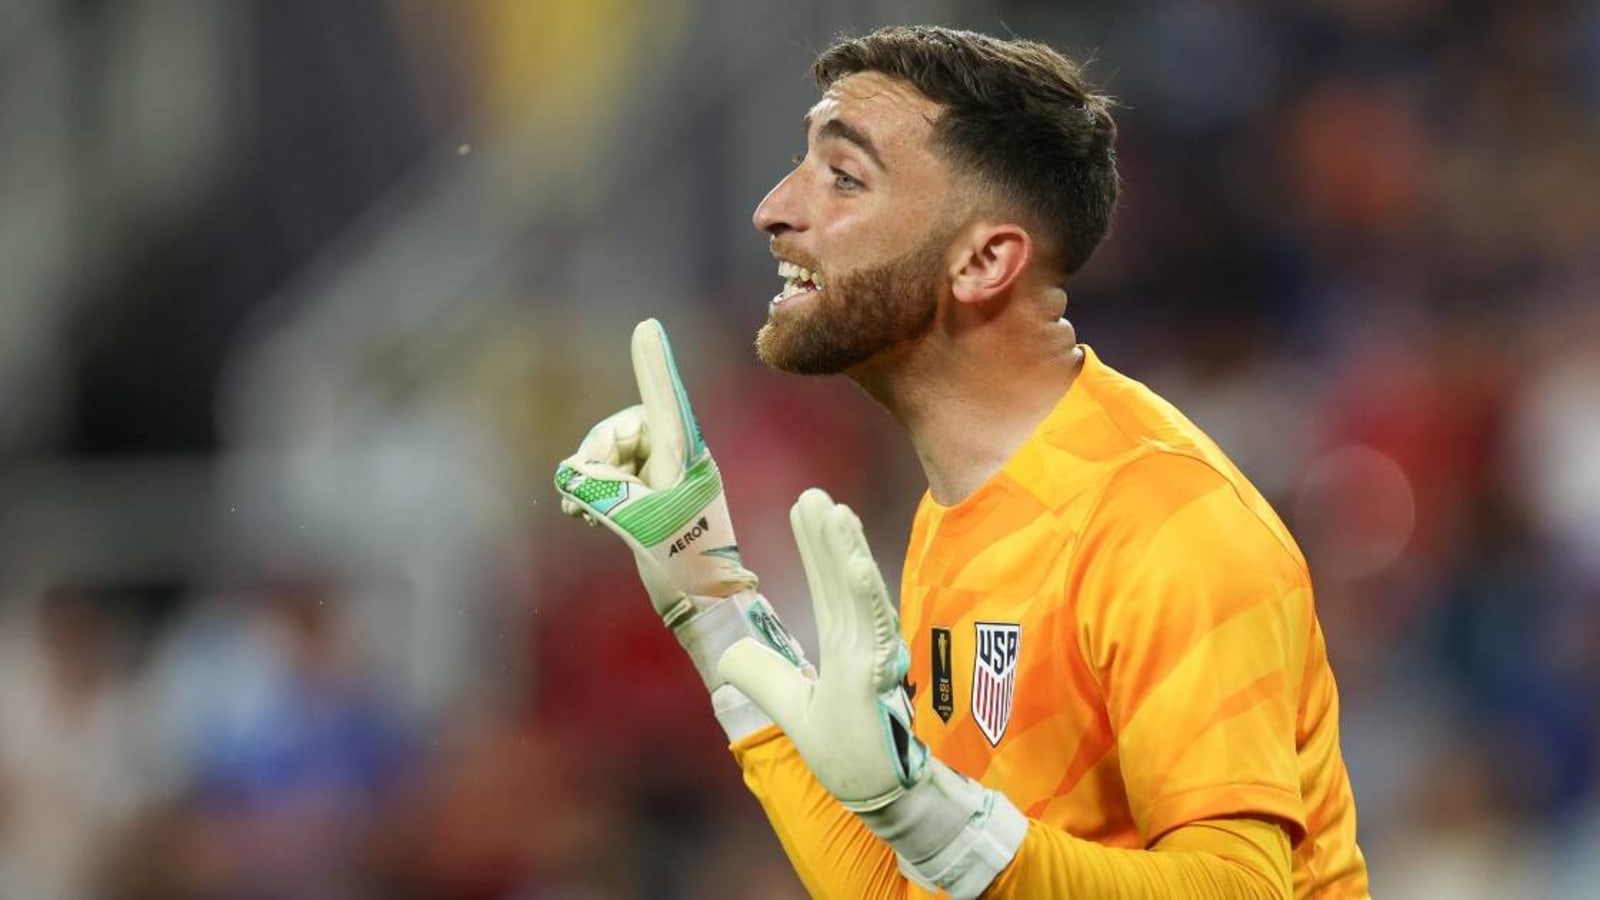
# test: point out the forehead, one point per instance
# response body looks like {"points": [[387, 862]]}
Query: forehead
{"points": [[893, 112]]}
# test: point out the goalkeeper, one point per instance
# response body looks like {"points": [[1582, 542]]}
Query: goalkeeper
{"points": [[1106, 678]]}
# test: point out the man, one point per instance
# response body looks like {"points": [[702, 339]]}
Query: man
{"points": [[1121, 688]]}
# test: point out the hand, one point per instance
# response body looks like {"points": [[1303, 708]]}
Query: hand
{"points": [[852, 723], [645, 473]]}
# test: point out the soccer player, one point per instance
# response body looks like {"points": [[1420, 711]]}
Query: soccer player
{"points": [[1116, 684]]}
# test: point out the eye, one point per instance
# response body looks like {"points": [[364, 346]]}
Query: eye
{"points": [[845, 182]]}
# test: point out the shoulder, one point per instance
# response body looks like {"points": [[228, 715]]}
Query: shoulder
{"points": [[1150, 468], [1106, 423], [1181, 515], [1172, 556]]}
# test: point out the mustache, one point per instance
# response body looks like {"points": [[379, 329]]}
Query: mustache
{"points": [[795, 255]]}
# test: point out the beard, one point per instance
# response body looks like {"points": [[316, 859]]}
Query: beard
{"points": [[858, 315]]}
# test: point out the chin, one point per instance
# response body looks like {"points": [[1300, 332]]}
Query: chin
{"points": [[786, 345]]}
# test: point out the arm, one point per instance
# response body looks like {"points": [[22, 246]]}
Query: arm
{"points": [[831, 850], [1216, 859], [1198, 668], [1194, 615], [835, 854]]}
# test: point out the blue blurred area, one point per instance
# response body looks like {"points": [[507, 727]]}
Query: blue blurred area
{"points": [[304, 301]]}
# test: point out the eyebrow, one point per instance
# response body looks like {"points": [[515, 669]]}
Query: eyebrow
{"points": [[844, 131]]}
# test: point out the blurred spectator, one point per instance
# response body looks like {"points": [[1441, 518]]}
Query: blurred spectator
{"points": [[1461, 845], [507, 809], [71, 747], [286, 753], [1558, 433]]}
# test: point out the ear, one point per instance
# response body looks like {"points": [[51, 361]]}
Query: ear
{"points": [[991, 259]]}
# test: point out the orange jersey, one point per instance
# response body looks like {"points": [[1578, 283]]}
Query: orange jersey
{"points": [[1117, 632]]}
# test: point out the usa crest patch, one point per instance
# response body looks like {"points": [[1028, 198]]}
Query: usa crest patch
{"points": [[994, 677]]}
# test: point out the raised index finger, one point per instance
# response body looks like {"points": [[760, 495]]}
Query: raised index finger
{"points": [[675, 439]]}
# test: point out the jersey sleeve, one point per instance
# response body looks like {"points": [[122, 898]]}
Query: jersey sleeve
{"points": [[1195, 618], [837, 857], [1220, 859], [831, 850]]}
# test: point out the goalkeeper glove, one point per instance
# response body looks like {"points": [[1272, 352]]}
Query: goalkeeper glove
{"points": [[646, 475], [852, 724]]}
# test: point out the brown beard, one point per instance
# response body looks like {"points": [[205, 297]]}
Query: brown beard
{"points": [[858, 315]]}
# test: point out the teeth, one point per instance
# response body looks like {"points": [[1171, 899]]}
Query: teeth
{"points": [[794, 275]]}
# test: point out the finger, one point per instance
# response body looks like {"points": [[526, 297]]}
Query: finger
{"points": [[675, 439], [812, 518], [770, 681], [575, 510], [808, 511], [618, 440], [596, 487], [866, 579], [597, 490]]}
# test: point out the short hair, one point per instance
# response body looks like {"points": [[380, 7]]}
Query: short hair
{"points": [[1021, 115]]}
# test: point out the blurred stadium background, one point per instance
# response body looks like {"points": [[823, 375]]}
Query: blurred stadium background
{"points": [[302, 301]]}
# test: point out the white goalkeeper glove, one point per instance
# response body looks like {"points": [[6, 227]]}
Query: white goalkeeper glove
{"points": [[645, 473], [852, 724]]}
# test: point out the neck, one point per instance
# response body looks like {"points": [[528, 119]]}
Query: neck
{"points": [[973, 390]]}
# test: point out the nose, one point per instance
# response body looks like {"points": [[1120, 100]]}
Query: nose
{"points": [[778, 212]]}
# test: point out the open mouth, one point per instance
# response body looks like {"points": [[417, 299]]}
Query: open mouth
{"points": [[797, 282]]}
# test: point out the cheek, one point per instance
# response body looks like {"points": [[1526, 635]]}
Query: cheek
{"points": [[861, 235]]}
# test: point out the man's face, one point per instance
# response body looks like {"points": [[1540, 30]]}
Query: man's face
{"points": [[861, 228]]}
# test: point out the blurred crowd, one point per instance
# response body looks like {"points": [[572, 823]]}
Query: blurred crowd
{"points": [[306, 301]]}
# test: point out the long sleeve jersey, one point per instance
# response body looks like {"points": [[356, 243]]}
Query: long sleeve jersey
{"points": [[1118, 633]]}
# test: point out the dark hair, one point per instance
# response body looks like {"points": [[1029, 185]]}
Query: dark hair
{"points": [[1021, 115]]}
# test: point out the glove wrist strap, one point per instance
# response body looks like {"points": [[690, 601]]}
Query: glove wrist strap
{"points": [[718, 622], [950, 833], [711, 630], [738, 715]]}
